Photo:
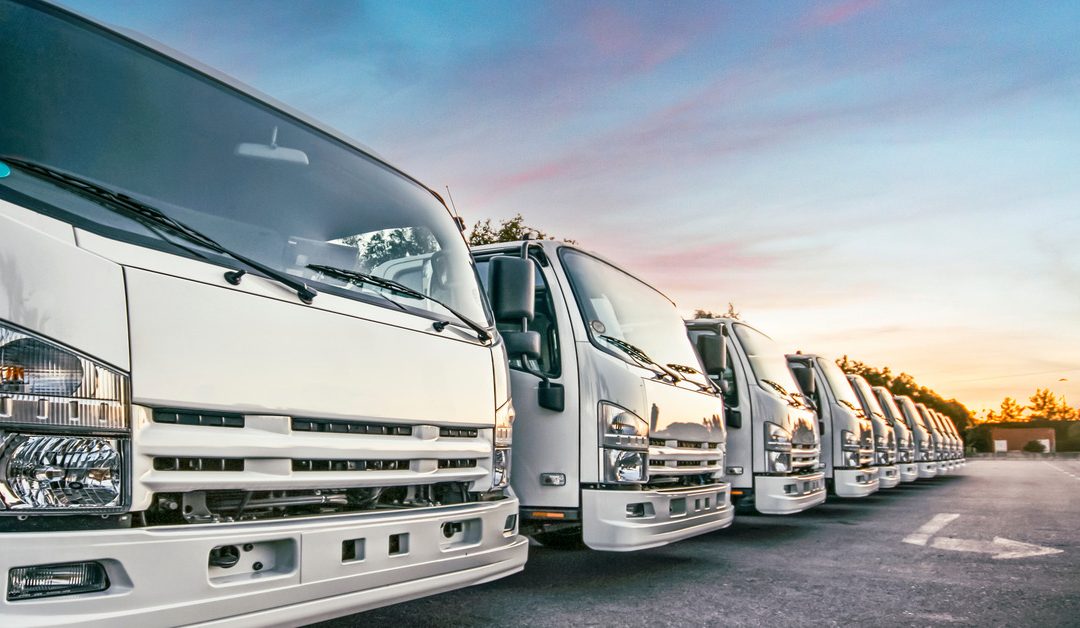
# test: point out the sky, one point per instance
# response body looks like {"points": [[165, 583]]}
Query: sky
{"points": [[894, 181]]}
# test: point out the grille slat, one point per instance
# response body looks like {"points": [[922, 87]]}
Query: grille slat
{"points": [[198, 464], [350, 427], [182, 417]]}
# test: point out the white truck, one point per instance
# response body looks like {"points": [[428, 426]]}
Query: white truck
{"points": [[773, 437], [940, 439], [905, 437], [247, 370], [619, 438], [847, 433], [925, 459], [886, 451]]}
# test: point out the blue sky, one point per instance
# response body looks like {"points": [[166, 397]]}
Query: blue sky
{"points": [[891, 180]]}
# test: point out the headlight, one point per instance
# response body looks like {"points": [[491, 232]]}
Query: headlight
{"points": [[500, 468], [848, 442], [776, 438], [625, 467], [45, 384], [879, 442], [50, 473], [622, 428], [777, 462], [851, 458]]}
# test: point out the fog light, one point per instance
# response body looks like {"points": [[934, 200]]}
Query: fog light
{"points": [[500, 468], [26, 583], [60, 473]]}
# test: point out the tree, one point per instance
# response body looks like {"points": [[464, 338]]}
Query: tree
{"points": [[1034, 446], [1046, 405], [904, 384], [509, 230], [394, 244], [730, 313], [1011, 411]]}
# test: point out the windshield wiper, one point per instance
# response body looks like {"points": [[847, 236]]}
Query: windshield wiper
{"points": [[154, 219], [689, 370], [359, 278], [783, 391], [643, 359]]}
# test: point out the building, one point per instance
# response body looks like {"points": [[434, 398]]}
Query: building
{"points": [[1014, 438]]}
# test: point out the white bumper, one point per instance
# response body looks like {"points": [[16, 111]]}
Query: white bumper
{"points": [[786, 495], [909, 472], [670, 515], [927, 469], [888, 477], [855, 482], [160, 576]]}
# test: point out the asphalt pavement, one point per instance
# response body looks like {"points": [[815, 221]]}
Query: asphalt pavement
{"points": [[996, 544]]}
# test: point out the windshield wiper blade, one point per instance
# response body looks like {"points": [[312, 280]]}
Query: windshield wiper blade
{"points": [[689, 370], [642, 358], [153, 218], [360, 278], [783, 391]]}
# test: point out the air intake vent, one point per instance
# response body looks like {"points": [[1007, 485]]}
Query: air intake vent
{"points": [[657, 442], [458, 432], [460, 463], [188, 417], [690, 463], [348, 427], [198, 464], [350, 465]]}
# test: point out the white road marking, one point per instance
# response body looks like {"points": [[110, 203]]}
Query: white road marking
{"points": [[930, 528], [1068, 473], [999, 547]]}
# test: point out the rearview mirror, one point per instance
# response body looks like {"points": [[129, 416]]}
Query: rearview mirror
{"points": [[272, 152], [522, 344], [805, 377], [713, 352], [513, 286]]}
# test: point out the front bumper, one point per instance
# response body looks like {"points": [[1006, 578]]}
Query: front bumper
{"points": [[909, 472], [160, 576], [787, 495], [888, 477], [670, 515], [855, 482], [927, 470]]}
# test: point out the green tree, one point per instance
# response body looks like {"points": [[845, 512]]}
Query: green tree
{"points": [[509, 230], [393, 244], [1034, 446]]}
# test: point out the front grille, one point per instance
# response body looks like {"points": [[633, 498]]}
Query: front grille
{"points": [[198, 464], [185, 417], [349, 465], [349, 427], [458, 463], [690, 463]]}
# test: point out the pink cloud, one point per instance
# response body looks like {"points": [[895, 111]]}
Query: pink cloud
{"points": [[838, 13]]}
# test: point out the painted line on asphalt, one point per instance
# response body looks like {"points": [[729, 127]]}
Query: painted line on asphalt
{"points": [[1068, 473], [930, 528]]}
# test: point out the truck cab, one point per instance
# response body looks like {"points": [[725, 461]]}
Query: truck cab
{"points": [[886, 451], [619, 437], [773, 442], [905, 439], [225, 393], [941, 442], [847, 433], [956, 445], [925, 461]]}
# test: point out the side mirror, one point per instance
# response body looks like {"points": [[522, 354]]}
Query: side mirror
{"points": [[522, 344], [734, 417], [551, 396], [713, 352], [806, 379], [725, 386], [513, 288]]}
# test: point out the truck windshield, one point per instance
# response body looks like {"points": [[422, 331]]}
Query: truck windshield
{"points": [[620, 306], [767, 362], [839, 385], [88, 102], [887, 403], [871, 400], [911, 414]]}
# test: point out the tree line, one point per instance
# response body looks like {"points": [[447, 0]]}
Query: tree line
{"points": [[905, 384]]}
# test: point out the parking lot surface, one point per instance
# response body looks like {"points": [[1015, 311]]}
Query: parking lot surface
{"points": [[996, 544]]}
